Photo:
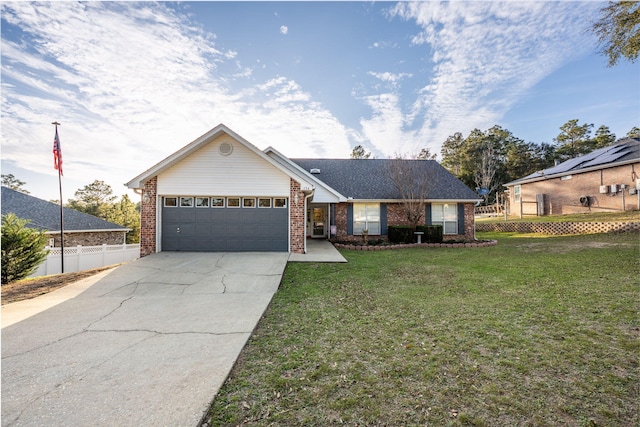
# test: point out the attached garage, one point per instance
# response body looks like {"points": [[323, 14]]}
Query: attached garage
{"points": [[222, 194], [228, 224]]}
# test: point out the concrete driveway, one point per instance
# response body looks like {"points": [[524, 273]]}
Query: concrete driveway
{"points": [[149, 344]]}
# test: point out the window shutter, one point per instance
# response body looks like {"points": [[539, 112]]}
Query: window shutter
{"points": [[427, 214], [383, 218], [460, 218], [350, 219]]}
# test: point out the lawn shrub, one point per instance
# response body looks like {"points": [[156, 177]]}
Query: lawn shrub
{"points": [[432, 233], [22, 248], [400, 234]]}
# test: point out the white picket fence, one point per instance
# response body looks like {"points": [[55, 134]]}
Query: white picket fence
{"points": [[79, 258]]}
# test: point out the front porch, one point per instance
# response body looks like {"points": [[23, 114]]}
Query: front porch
{"points": [[318, 250]]}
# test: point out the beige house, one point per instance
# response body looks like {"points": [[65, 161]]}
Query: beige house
{"points": [[605, 180]]}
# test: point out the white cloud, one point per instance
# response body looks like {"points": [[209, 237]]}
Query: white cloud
{"points": [[486, 56], [132, 83], [284, 30]]}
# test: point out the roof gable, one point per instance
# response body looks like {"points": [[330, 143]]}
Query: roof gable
{"points": [[46, 215], [192, 147], [366, 179], [331, 194]]}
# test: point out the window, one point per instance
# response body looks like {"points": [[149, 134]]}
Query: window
{"points": [[217, 202], [366, 216], [202, 202], [248, 202], [264, 203], [516, 193], [445, 215], [186, 202], [233, 202], [171, 201], [279, 202]]}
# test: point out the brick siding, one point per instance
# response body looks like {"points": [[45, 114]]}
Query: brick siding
{"points": [[396, 216], [296, 218], [148, 218], [89, 239], [562, 196], [560, 227]]}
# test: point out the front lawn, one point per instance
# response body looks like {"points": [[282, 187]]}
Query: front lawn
{"points": [[539, 331]]}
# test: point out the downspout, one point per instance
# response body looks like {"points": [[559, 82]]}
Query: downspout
{"points": [[307, 195]]}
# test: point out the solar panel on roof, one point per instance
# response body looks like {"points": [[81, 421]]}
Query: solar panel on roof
{"points": [[606, 158], [586, 159]]}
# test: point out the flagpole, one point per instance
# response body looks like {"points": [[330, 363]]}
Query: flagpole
{"points": [[61, 209]]}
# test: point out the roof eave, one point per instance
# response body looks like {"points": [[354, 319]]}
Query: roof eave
{"points": [[121, 230]]}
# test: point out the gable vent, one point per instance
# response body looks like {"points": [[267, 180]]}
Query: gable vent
{"points": [[225, 148], [315, 171]]}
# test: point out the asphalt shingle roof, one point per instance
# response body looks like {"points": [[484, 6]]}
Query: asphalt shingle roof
{"points": [[367, 179], [46, 215]]}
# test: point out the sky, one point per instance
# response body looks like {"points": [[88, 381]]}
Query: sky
{"points": [[133, 82]]}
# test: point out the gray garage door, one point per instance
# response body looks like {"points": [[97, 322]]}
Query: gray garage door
{"points": [[224, 229]]}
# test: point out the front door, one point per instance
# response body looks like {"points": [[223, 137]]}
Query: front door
{"points": [[319, 224]]}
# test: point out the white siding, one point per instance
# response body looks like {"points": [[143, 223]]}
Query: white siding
{"points": [[207, 172], [324, 196]]}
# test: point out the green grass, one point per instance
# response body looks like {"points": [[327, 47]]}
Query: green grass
{"points": [[633, 215], [536, 331]]}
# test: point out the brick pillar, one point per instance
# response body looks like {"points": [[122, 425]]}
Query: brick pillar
{"points": [[296, 218], [148, 218], [469, 221]]}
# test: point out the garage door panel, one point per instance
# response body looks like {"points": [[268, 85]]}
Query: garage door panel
{"points": [[203, 229], [224, 229]]}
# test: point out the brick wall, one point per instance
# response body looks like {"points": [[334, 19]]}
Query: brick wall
{"points": [[89, 239], [469, 222], [296, 218], [563, 195], [148, 218], [560, 227], [397, 216], [340, 218]]}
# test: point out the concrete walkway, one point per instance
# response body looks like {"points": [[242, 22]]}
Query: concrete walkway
{"points": [[318, 250], [149, 344]]}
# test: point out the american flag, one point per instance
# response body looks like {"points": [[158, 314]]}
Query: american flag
{"points": [[57, 154]]}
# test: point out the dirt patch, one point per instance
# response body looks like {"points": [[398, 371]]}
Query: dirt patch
{"points": [[31, 288]]}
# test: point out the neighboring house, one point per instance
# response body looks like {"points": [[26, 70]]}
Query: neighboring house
{"points": [[221, 193], [604, 180], [79, 228]]}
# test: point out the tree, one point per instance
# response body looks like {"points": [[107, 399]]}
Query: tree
{"points": [[451, 152], [574, 140], [425, 154], [634, 133], [360, 153], [22, 248], [604, 137], [93, 199], [618, 31], [488, 159], [409, 179], [13, 183], [125, 213]]}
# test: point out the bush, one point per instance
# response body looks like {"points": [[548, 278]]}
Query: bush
{"points": [[432, 233], [22, 248], [400, 234]]}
